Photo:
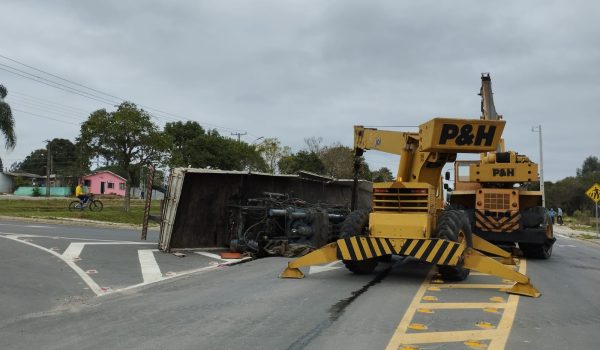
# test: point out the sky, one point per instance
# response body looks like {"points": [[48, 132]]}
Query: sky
{"points": [[298, 69]]}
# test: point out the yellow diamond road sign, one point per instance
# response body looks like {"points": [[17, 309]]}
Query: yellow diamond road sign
{"points": [[594, 193]]}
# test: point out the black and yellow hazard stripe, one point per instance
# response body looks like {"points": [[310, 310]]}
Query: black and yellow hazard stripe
{"points": [[494, 222], [437, 251]]}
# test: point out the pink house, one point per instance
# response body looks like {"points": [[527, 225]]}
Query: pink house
{"points": [[105, 182]]}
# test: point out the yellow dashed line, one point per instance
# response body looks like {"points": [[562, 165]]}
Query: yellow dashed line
{"points": [[474, 344], [418, 326], [425, 311], [484, 325], [461, 305], [496, 335], [474, 286]]}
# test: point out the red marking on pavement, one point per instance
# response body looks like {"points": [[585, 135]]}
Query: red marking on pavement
{"points": [[76, 258], [91, 272], [170, 274], [105, 289], [230, 255]]}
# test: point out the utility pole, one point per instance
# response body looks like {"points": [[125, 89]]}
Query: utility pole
{"points": [[238, 134], [48, 170], [539, 130]]}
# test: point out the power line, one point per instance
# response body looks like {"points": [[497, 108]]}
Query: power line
{"points": [[58, 77], [46, 109], [56, 87], [69, 88], [165, 115], [391, 126], [43, 116], [45, 101]]}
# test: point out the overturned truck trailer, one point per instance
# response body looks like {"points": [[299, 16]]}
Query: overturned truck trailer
{"points": [[211, 208]]}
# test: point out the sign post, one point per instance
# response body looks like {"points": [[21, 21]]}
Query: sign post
{"points": [[594, 193]]}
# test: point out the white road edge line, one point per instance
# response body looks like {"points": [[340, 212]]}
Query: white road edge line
{"points": [[212, 256], [84, 276], [96, 240], [323, 268], [179, 274], [73, 251], [150, 269], [90, 282]]}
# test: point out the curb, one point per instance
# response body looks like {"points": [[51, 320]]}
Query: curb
{"points": [[80, 222]]}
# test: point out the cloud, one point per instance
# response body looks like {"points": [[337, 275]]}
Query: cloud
{"points": [[314, 68]]}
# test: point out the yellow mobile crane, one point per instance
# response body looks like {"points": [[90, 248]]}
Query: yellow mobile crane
{"points": [[493, 192], [408, 216]]}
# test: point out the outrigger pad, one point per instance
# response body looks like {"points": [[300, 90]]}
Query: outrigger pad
{"points": [[291, 272], [508, 261], [526, 289]]}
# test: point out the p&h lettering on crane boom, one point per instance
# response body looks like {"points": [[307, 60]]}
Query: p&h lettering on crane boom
{"points": [[464, 136]]}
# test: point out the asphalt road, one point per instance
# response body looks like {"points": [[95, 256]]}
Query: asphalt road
{"points": [[67, 287]]}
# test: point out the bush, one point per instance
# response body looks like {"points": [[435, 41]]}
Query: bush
{"points": [[36, 191], [581, 217]]}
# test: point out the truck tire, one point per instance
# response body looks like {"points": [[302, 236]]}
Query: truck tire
{"points": [[541, 250], [356, 224], [453, 225], [533, 217]]}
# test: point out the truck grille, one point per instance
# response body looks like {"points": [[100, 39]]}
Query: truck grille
{"points": [[400, 199], [496, 201]]}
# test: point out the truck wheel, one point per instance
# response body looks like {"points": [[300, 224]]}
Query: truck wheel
{"points": [[543, 250], [356, 224], [454, 226], [536, 251]]}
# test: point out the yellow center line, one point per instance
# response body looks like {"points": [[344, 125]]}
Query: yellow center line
{"points": [[397, 340], [498, 336], [474, 286], [508, 317], [445, 337], [462, 305]]}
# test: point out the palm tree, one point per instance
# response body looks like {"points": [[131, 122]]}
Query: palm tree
{"points": [[7, 122]]}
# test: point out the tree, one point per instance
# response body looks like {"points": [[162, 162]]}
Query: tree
{"points": [[272, 151], [313, 144], [590, 165], [339, 162], [192, 146], [382, 175], [7, 122], [301, 161], [65, 159], [180, 134], [126, 137], [35, 162], [569, 193]]}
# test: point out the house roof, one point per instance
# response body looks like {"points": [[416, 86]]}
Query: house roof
{"points": [[106, 171], [21, 174]]}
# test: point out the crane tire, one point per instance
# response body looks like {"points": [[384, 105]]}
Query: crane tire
{"points": [[356, 224], [453, 225]]}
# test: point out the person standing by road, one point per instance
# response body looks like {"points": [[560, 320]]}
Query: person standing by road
{"points": [[552, 214], [559, 216]]}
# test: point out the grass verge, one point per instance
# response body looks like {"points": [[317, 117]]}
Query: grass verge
{"points": [[57, 208]]}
